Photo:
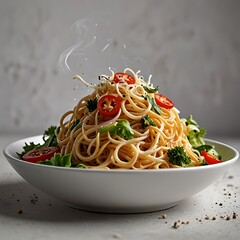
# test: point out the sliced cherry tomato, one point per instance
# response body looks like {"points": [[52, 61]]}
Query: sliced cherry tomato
{"points": [[40, 154], [210, 159], [120, 76], [108, 106], [163, 101]]}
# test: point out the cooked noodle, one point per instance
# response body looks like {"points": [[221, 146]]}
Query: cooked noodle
{"points": [[79, 130]]}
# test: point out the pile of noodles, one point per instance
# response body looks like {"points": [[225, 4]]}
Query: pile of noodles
{"points": [[79, 130]]}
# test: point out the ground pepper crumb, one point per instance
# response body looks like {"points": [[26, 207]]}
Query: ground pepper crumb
{"points": [[176, 224], [234, 215], [228, 217], [116, 235], [19, 211], [164, 216]]}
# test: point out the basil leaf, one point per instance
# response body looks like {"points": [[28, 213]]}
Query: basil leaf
{"points": [[155, 107]]}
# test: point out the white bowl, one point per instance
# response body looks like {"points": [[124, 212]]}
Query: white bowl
{"points": [[119, 191]]}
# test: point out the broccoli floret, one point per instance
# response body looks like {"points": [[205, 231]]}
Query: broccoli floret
{"points": [[178, 156]]}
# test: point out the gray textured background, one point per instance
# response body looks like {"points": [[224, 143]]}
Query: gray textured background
{"points": [[192, 49]]}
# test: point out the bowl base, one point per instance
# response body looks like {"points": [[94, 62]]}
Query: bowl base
{"points": [[122, 210]]}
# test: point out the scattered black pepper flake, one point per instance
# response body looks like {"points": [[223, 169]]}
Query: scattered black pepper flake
{"points": [[164, 216], [176, 224], [234, 215], [228, 217], [19, 211]]}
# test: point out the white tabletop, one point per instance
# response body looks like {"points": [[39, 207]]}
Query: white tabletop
{"points": [[26, 213]]}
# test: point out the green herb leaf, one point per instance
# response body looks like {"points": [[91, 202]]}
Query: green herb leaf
{"points": [[147, 121], [50, 138], [191, 121], [76, 123], [28, 147], [204, 147], [80, 165], [111, 129], [92, 104], [155, 107], [196, 137], [58, 160], [150, 90], [122, 129]]}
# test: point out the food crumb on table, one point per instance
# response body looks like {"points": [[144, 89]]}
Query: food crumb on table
{"points": [[19, 211], [117, 235]]}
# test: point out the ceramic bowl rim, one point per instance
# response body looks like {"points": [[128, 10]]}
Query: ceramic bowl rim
{"points": [[7, 154]]}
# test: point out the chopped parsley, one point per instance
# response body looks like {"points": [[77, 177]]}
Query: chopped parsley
{"points": [[147, 121], [155, 107], [92, 104]]}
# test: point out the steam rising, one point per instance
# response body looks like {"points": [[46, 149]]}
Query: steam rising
{"points": [[94, 51], [82, 30]]}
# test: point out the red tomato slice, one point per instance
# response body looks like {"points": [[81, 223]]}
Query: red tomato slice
{"points": [[163, 101], [108, 106], [210, 159], [120, 76], [40, 154]]}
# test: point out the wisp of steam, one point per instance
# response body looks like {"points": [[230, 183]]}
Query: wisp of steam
{"points": [[95, 50]]}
